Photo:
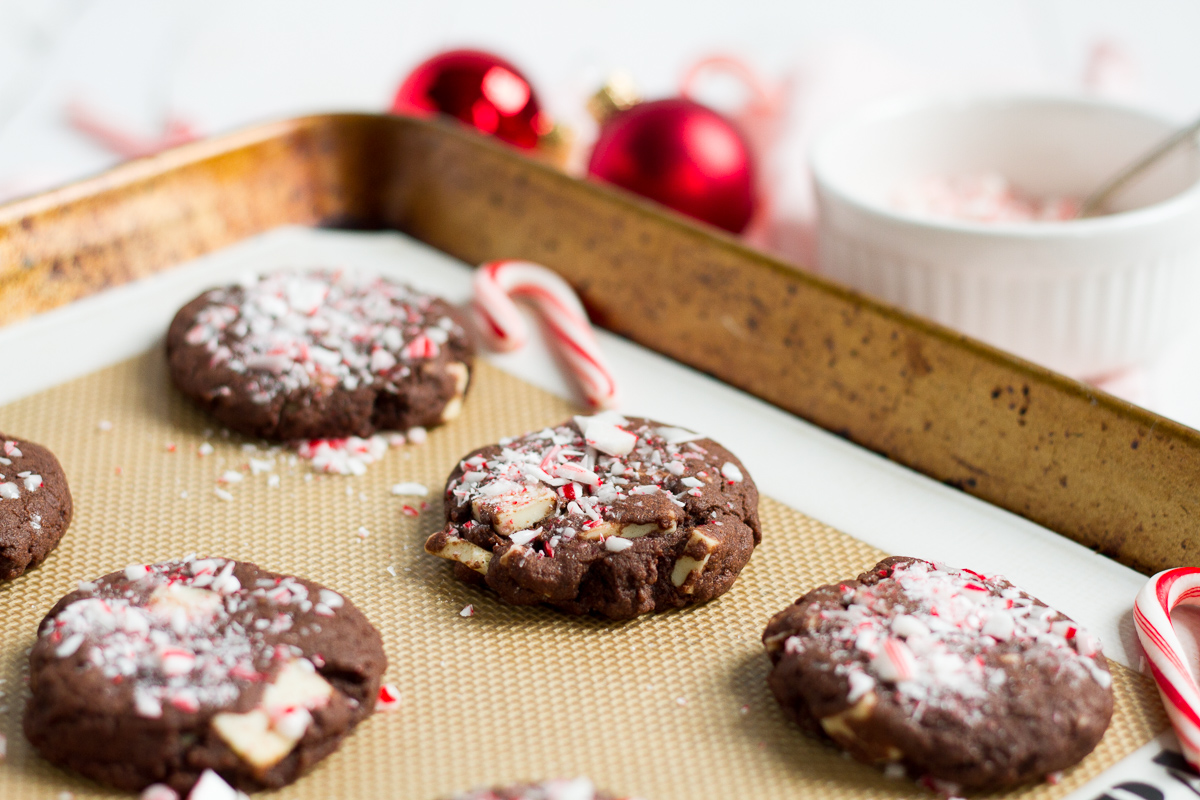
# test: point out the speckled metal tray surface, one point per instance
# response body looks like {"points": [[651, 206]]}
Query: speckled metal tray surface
{"points": [[671, 706], [1105, 473]]}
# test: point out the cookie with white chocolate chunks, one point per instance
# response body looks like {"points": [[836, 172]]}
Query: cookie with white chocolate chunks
{"points": [[601, 514], [156, 673], [576, 789], [955, 678], [35, 505], [321, 355]]}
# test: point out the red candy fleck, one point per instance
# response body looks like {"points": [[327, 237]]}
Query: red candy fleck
{"points": [[389, 697]]}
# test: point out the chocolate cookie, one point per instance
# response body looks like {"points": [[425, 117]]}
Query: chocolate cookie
{"points": [[601, 514], [154, 674], [959, 679], [35, 505], [321, 355], [578, 789]]}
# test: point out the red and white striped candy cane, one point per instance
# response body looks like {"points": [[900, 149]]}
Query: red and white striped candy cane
{"points": [[498, 283], [1152, 618]]}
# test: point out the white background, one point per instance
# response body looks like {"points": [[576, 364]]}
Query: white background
{"points": [[226, 63]]}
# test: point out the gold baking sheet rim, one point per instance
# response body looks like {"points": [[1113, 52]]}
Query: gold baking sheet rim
{"points": [[668, 706]]}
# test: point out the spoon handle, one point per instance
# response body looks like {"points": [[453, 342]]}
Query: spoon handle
{"points": [[1094, 201]]}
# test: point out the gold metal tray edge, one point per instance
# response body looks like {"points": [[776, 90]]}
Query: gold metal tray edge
{"points": [[1106, 473]]}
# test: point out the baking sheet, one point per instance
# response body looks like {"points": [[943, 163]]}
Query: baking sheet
{"points": [[506, 694]]}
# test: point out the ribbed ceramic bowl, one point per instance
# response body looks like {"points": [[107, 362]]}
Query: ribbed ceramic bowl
{"points": [[1085, 297]]}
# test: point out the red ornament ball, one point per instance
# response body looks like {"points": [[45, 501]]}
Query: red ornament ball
{"points": [[481, 89], [682, 154]]}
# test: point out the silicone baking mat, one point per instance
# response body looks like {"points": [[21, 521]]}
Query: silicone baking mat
{"points": [[668, 706]]}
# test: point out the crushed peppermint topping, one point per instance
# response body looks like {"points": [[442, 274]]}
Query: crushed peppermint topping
{"points": [[291, 331], [923, 630], [410, 489], [10, 489], [184, 633], [615, 544], [604, 478]]}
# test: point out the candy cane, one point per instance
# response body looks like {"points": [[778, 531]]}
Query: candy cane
{"points": [[498, 283], [1176, 685]]}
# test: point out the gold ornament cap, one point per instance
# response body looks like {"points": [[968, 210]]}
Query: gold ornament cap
{"points": [[617, 94]]}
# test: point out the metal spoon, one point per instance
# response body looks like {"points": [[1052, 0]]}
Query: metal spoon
{"points": [[1092, 204]]}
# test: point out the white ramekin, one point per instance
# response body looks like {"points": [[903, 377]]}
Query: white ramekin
{"points": [[1086, 297]]}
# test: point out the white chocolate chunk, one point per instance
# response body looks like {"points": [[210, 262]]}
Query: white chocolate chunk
{"points": [[684, 568], [461, 376], [298, 685], [464, 552], [452, 409], [251, 737], [687, 567], [454, 405], [606, 530], [615, 544], [264, 736], [175, 598], [516, 511], [838, 724], [840, 728]]}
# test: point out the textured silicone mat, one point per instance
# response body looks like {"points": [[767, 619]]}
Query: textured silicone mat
{"points": [[672, 706]]}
